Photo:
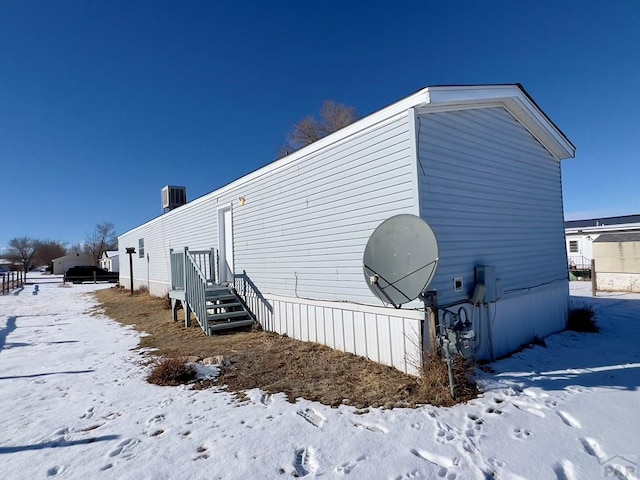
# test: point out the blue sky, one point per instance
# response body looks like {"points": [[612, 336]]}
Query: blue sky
{"points": [[104, 102]]}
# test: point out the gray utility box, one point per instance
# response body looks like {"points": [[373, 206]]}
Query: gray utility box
{"points": [[486, 275]]}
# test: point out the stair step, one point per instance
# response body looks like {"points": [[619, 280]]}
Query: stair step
{"points": [[231, 324], [226, 298], [224, 305], [217, 288], [226, 315], [212, 298]]}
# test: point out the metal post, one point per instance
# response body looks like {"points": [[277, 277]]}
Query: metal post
{"points": [[212, 267], [430, 306], [130, 251], [594, 283]]}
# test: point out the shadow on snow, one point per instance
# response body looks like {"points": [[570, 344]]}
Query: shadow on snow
{"points": [[57, 444]]}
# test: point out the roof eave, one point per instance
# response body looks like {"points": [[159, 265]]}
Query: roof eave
{"points": [[516, 100]]}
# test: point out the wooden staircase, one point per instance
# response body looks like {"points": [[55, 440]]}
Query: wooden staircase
{"points": [[225, 309], [215, 307]]}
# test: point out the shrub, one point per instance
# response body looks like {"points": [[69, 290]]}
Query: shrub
{"points": [[172, 372], [582, 319]]}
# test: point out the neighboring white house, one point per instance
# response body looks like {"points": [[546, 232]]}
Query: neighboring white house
{"points": [[580, 235], [110, 261], [481, 164], [617, 257], [62, 264]]}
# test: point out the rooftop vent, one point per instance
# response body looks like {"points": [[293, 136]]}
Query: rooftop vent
{"points": [[173, 197]]}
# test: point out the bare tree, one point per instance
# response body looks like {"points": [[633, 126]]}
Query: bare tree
{"points": [[333, 117], [336, 116], [102, 239], [77, 247], [47, 250], [22, 250]]}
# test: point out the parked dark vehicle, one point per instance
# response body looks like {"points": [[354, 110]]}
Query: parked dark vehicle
{"points": [[90, 274]]}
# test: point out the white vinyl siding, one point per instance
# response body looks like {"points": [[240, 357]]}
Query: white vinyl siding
{"points": [[617, 257], [303, 229], [304, 225], [493, 196]]}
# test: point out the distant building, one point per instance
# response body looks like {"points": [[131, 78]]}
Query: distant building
{"points": [[617, 257], [580, 235], [62, 264], [110, 261], [8, 264]]}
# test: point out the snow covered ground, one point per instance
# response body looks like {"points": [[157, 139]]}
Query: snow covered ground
{"points": [[74, 404]]}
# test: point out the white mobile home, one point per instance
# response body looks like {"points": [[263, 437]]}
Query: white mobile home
{"points": [[580, 235], [481, 164]]}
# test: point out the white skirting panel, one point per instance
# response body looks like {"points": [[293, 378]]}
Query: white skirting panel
{"points": [[618, 282], [385, 335], [157, 289], [513, 321]]}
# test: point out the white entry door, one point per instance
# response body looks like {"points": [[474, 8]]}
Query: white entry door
{"points": [[225, 245]]}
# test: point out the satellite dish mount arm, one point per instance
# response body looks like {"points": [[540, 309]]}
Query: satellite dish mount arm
{"points": [[375, 280]]}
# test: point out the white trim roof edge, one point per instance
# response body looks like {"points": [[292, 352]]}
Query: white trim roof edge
{"points": [[517, 101], [437, 97], [602, 228]]}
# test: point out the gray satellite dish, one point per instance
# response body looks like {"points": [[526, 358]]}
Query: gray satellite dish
{"points": [[400, 259]]}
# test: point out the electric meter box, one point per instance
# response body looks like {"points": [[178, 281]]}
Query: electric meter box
{"points": [[486, 275]]}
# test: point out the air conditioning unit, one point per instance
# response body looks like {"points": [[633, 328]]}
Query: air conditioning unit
{"points": [[173, 197]]}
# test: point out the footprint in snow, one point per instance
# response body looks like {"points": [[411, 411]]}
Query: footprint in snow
{"points": [[304, 462], [371, 427], [446, 464], [155, 419], [312, 416], [407, 476], [564, 470], [474, 426], [54, 471], [266, 399], [593, 448], [575, 390], [532, 408], [88, 413], [347, 467], [123, 449], [521, 433], [568, 419], [443, 436]]}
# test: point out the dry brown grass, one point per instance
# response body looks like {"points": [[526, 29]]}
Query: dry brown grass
{"points": [[276, 363]]}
